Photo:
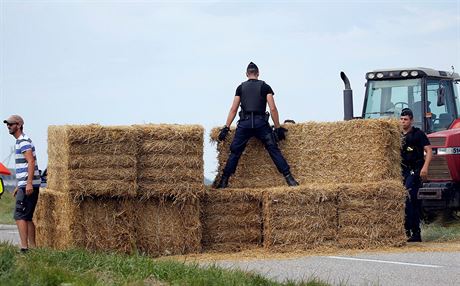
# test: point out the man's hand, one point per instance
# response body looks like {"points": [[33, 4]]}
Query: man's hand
{"points": [[280, 133], [223, 133], [15, 191], [29, 189], [424, 173]]}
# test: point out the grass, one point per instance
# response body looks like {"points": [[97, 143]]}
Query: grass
{"points": [[441, 231], [79, 267], [6, 208]]}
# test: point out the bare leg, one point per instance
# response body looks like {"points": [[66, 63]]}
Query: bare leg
{"points": [[31, 234], [22, 228]]}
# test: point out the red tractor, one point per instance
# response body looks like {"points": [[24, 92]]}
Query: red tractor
{"points": [[433, 97]]}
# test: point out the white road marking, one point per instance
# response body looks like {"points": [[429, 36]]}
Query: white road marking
{"points": [[385, 261]]}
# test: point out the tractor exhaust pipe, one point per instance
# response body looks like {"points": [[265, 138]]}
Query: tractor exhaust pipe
{"points": [[347, 98]]}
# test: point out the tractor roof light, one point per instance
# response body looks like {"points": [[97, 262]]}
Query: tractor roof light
{"points": [[379, 75], [370, 76], [414, 73], [404, 73]]}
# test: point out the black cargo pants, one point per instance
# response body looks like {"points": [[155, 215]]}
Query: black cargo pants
{"points": [[254, 127]]}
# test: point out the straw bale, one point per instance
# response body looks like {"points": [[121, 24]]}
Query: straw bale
{"points": [[300, 218], [45, 220], [333, 152], [170, 160], [232, 220], [170, 132], [167, 227], [91, 223], [87, 160], [371, 214]]}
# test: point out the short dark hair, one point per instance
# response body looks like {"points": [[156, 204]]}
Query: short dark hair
{"points": [[252, 68], [407, 112]]}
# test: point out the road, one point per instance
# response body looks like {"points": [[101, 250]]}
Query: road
{"points": [[408, 268], [416, 268]]}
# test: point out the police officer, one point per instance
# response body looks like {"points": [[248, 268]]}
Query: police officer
{"points": [[414, 169], [253, 96]]}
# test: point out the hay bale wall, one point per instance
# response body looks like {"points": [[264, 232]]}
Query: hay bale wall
{"points": [[300, 218], [170, 159], [371, 215], [154, 227], [92, 160], [232, 220], [335, 152]]}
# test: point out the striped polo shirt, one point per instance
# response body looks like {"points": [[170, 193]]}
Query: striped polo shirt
{"points": [[24, 143]]}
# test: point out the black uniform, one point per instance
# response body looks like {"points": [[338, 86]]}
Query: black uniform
{"points": [[412, 154], [254, 122]]}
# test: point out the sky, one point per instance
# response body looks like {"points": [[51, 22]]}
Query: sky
{"points": [[130, 62]]}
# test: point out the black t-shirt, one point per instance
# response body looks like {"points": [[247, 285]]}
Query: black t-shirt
{"points": [[413, 148], [266, 89]]}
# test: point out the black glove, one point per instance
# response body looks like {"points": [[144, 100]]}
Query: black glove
{"points": [[280, 133], [223, 133]]}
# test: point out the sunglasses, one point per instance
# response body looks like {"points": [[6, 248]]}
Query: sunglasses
{"points": [[11, 124]]}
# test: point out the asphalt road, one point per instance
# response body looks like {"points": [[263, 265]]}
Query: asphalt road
{"points": [[412, 268], [416, 268]]}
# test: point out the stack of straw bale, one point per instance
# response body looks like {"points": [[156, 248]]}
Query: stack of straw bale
{"points": [[332, 152], [170, 159], [300, 218], [371, 214], [351, 194], [64, 221], [232, 220], [122, 188], [92, 160]]}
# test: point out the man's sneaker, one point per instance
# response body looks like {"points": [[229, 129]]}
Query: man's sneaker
{"points": [[290, 180], [23, 250], [223, 183]]}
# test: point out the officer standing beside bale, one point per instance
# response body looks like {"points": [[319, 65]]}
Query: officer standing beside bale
{"points": [[253, 96], [414, 169]]}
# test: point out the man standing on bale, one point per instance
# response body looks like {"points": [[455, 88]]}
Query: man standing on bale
{"points": [[28, 178], [414, 169], [253, 96]]}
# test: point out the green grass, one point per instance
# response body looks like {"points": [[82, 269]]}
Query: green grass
{"points": [[78, 267], [441, 231], [6, 208]]}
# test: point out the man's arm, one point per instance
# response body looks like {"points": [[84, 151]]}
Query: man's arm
{"points": [[30, 171], [233, 111], [273, 110], [428, 156]]}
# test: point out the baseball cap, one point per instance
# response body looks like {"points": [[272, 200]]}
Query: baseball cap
{"points": [[14, 119]]}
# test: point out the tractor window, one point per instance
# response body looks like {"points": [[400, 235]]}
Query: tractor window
{"points": [[386, 98], [444, 114]]}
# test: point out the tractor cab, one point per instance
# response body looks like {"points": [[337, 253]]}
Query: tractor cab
{"points": [[430, 94]]}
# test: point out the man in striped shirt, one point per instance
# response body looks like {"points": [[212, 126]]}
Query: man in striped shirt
{"points": [[28, 177]]}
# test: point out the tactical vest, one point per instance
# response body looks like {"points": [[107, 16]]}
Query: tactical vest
{"points": [[412, 154], [251, 98]]}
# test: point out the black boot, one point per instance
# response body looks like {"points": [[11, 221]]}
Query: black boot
{"points": [[408, 235], [416, 237], [223, 183], [290, 180]]}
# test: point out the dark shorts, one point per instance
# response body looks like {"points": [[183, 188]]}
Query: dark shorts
{"points": [[25, 205]]}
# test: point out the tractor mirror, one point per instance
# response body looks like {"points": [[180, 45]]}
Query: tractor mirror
{"points": [[2, 187], [441, 96]]}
